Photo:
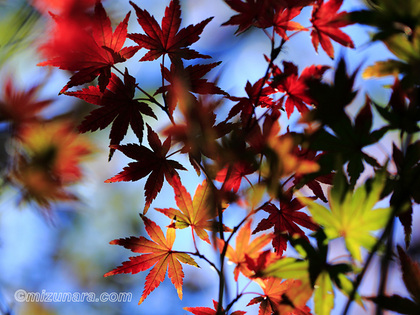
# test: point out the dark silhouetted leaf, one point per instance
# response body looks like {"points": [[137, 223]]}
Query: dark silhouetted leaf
{"points": [[117, 108], [169, 39], [285, 222], [153, 162]]}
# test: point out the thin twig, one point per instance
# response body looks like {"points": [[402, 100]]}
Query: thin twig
{"points": [[375, 248], [150, 97], [198, 254], [385, 268]]}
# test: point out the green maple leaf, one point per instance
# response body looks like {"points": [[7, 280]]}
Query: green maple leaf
{"points": [[397, 24], [351, 214], [407, 50], [389, 17]]}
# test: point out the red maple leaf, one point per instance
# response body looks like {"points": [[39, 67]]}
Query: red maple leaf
{"points": [[282, 21], [184, 80], [209, 311], [313, 184], [258, 137], [258, 13], [90, 48], [326, 26], [19, 107], [156, 252], [169, 39], [71, 8], [296, 88], [153, 162], [280, 4], [257, 96], [117, 108], [236, 172], [258, 264], [199, 133], [284, 221]]}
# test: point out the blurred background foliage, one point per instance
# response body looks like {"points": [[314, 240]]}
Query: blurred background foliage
{"points": [[62, 244]]}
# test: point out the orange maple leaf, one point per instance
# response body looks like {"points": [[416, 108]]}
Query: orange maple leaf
{"points": [[157, 252], [285, 159], [245, 249], [194, 212], [282, 297]]}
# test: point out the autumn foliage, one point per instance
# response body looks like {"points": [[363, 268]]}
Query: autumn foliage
{"points": [[298, 185]]}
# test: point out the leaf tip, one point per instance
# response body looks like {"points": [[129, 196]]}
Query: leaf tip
{"points": [[109, 273], [146, 208]]}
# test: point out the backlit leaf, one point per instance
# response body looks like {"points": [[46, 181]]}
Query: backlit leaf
{"points": [[245, 248], [327, 23], [195, 212], [352, 217], [89, 48], [156, 252], [169, 39]]}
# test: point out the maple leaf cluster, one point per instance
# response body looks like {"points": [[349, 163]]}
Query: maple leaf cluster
{"points": [[48, 162], [45, 156], [248, 159], [87, 47], [326, 22]]}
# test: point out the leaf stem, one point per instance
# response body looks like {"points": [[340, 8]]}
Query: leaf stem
{"points": [[385, 267], [287, 180], [273, 55], [218, 208], [175, 152], [163, 84], [194, 241], [198, 254], [266, 75], [249, 182], [259, 168], [222, 281], [150, 98], [239, 295]]}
